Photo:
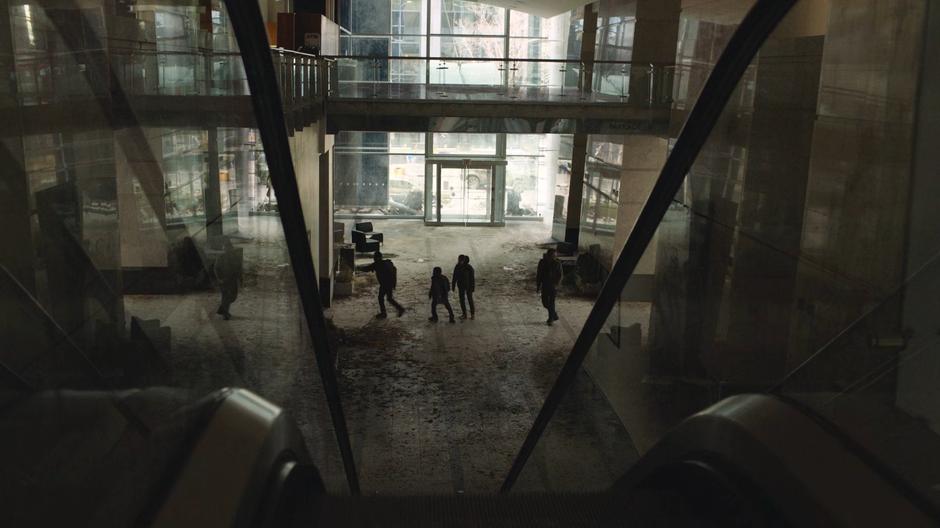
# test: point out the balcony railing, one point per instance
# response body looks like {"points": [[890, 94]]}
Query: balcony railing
{"points": [[303, 77], [307, 80], [46, 77]]}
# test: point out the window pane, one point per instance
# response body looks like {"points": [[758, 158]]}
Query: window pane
{"points": [[458, 17], [465, 144], [379, 173], [148, 249]]}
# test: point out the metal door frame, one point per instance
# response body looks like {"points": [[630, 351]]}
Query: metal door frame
{"points": [[432, 185]]}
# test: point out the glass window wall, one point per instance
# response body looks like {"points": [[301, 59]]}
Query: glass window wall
{"points": [[137, 258], [453, 29], [531, 163], [385, 173], [467, 145], [379, 173]]}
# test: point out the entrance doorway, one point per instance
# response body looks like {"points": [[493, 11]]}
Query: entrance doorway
{"points": [[463, 191]]}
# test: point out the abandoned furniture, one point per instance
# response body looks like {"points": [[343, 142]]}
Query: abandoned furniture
{"points": [[367, 229], [364, 244]]}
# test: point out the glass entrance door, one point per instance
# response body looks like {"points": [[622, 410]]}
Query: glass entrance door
{"points": [[461, 192]]}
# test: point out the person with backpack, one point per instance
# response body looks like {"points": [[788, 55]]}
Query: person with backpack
{"points": [[547, 279], [440, 288], [464, 283], [387, 275]]}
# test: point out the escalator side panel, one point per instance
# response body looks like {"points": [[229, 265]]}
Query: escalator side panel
{"points": [[804, 470]]}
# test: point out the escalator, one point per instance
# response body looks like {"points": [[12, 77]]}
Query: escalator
{"points": [[104, 423]]}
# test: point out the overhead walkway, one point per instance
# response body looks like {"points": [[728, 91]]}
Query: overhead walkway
{"points": [[621, 98], [609, 97]]}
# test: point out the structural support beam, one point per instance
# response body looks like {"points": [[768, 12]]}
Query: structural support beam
{"points": [[588, 39], [213, 190], [655, 34], [266, 99], [576, 188]]}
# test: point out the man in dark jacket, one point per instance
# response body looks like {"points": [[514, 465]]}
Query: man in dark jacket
{"points": [[387, 276], [228, 273], [547, 279], [438, 294], [464, 282]]}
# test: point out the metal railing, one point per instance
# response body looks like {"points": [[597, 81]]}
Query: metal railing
{"points": [[50, 77], [557, 80], [305, 78], [298, 76]]}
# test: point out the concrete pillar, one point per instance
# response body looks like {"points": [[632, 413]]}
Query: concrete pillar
{"points": [[771, 208], [858, 200], [643, 159], [576, 188], [139, 244], [548, 170], [244, 170], [655, 35], [588, 40]]}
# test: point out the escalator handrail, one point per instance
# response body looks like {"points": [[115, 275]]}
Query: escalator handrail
{"points": [[748, 38]]}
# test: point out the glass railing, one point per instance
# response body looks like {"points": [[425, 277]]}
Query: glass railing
{"points": [[801, 245], [497, 79], [45, 77], [144, 253]]}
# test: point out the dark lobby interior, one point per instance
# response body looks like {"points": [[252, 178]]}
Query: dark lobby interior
{"points": [[496, 263]]}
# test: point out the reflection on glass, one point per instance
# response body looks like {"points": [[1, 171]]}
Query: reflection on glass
{"points": [[460, 17], [793, 252], [460, 31], [469, 145], [378, 173], [145, 248], [532, 160], [465, 194]]}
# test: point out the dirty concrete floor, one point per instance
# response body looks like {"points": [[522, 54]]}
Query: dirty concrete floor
{"points": [[431, 408], [265, 347], [444, 408]]}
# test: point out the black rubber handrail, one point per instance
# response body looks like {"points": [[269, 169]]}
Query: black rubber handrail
{"points": [[266, 99], [750, 35]]}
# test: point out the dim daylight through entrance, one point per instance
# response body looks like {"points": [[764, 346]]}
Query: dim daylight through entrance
{"points": [[449, 178], [464, 191]]}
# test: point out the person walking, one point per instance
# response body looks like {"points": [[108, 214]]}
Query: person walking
{"points": [[464, 283], [438, 294], [227, 269], [547, 279], [387, 275]]}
